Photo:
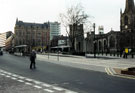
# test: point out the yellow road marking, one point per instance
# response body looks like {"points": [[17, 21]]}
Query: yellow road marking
{"points": [[110, 73], [127, 77], [107, 71]]}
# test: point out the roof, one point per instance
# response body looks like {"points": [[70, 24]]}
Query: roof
{"points": [[26, 24]]}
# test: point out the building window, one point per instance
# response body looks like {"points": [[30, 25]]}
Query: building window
{"points": [[126, 20], [112, 42]]}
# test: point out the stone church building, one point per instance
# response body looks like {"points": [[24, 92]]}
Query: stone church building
{"points": [[115, 41], [76, 38]]}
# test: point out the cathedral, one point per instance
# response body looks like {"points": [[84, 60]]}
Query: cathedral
{"points": [[115, 41]]}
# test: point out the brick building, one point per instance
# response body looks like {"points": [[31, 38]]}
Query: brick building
{"points": [[32, 35]]}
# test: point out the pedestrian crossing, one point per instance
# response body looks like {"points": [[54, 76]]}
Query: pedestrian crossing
{"points": [[47, 88]]}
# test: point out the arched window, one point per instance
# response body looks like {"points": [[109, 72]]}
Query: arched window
{"points": [[95, 44], [100, 46], [126, 20], [105, 44]]}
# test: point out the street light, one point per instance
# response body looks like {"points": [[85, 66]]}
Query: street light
{"points": [[94, 26]]}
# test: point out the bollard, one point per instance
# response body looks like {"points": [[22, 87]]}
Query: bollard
{"points": [[114, 54], [117, 55], [132, 55]]}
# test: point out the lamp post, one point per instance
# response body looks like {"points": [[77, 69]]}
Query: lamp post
{"points": [[94, 40], [48, 46], [42, 41]]}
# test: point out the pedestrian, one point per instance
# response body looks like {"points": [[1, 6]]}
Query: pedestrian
{"points": [[124, 54], [32, 59], [22, 53]]}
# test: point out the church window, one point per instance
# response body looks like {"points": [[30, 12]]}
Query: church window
{"points": [[100, 46], [105, 44], [126, 20]]}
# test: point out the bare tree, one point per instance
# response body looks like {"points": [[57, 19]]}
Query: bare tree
{"points": [[74, 15]]}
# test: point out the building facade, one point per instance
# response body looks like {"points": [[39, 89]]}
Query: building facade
{"points": [[128, 25], [104, 43], [76, 38], [116, 41], [9, 43], [3, 37], [60, 43], [54, 29], [33, 35]]}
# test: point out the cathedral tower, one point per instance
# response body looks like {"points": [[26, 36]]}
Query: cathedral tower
{"points": [[128, 17]]}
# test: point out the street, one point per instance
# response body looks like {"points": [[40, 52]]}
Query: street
{"points": [[67, 76]]}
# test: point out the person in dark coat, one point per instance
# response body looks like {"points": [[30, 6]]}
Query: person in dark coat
{"points": [[32, 59]]}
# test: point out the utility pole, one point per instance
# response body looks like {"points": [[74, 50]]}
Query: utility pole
{"points": [[94, 40]]}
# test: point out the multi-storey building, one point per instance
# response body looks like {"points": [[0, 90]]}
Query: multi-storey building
{"points": [[3, 37], [32, 35], [54, 29], [9, 43]]}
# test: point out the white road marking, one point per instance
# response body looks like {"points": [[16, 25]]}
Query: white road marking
{"points": [[37, 86], [9, 73], [28, 79], [37, 82], [13, 78], [20, 80], [5, 72], [2, 74], [21, 77], [70, 92], [8, 76], [15, 75], [1, 70], [48, 90], [57, 88], [46, 85], [28, 83]]}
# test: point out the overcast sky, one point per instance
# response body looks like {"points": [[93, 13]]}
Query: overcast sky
{"points": [[105, 12]]}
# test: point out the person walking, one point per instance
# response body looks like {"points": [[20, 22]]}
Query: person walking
{"points": [[32, 59]]}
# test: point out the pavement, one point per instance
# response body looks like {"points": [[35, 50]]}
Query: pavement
{"points": [[112, 65]]}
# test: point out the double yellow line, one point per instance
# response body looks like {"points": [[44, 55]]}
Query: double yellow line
{"points": [[109, 71]]}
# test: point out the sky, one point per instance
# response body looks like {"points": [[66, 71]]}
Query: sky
{"points": [[103, 12]]}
